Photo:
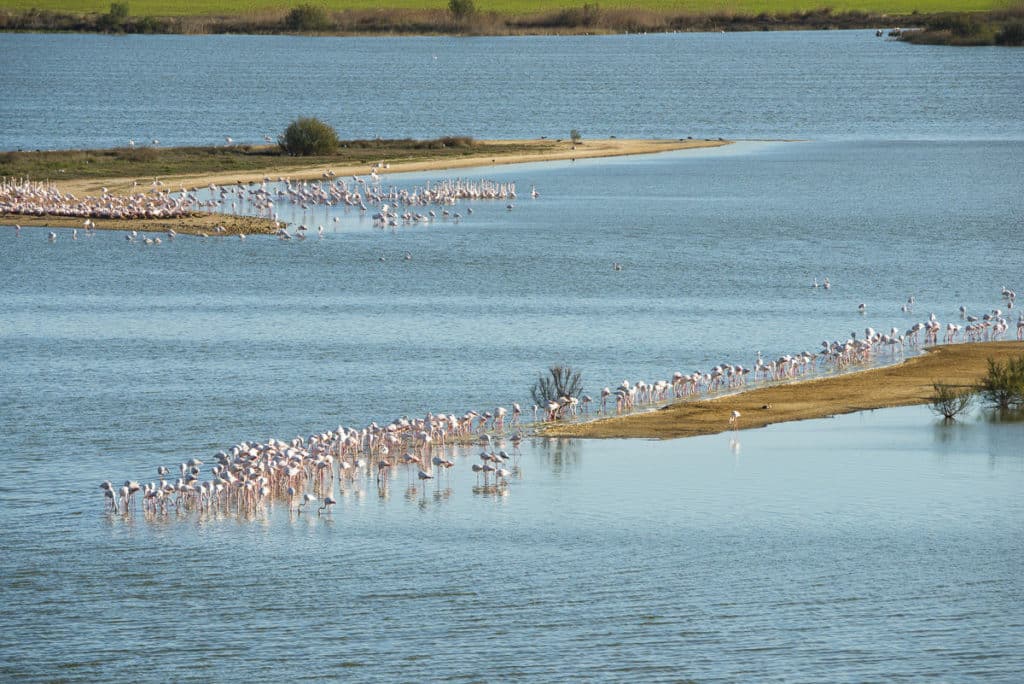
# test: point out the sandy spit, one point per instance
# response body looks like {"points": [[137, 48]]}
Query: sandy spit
{"points": [[905, 384]]}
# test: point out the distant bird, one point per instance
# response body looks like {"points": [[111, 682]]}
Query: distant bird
{"points": [[734, 419]]}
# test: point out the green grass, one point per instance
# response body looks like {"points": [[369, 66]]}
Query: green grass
{"points": [[182, 8], [149, 162]]}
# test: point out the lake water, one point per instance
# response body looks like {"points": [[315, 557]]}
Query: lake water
{"points": [[875, 546], [100, 91]]}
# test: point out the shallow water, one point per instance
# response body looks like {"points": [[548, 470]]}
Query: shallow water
{"points": [[868, 547]]}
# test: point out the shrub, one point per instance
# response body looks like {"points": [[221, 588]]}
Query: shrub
{"points": [[949, 401], [114, 20], [1012, 34], [308, 136], [961, 25], [561, 381], [576, 136], [1003, 386], [461, 9], [119, 11], [307, 18]]}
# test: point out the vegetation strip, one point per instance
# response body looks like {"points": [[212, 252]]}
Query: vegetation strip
{"points": [[471, 17], [963, 366]]}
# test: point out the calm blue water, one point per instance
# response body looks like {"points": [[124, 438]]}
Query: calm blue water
{"points": [[870, 547], [70, 91]]}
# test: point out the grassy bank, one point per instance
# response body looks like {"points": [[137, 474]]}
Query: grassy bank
{"points": [[909, 383], [1001, 27], [85, 171], [151, 162], [334, 17]]}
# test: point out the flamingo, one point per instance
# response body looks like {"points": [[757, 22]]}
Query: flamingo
{"points": [[328, 504]]}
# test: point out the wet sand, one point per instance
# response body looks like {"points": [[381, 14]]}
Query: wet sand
{"points": [[195, 224], [906, 384]]}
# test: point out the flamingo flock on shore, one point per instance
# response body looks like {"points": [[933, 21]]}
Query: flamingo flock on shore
{"points": [[251, 476], [19, 196], [262, 199]]}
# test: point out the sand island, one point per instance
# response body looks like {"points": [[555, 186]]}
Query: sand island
{"points": [[904, 384]]}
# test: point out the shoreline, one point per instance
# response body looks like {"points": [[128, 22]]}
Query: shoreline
{"points": [[545, 150], [908, 383], [588, 19]]}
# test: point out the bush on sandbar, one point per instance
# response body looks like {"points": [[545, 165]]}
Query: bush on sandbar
{"points": [[308, 136]]}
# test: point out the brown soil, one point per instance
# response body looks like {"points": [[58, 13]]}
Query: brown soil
{"points": [[905, 384], [195, 224]]}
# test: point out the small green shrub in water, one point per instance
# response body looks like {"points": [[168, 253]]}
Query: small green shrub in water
{"points": [[1003, 386], [949, 401], [308, 136]]}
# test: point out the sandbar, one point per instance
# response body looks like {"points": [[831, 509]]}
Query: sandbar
{"points": [[199, 223], [904, 384]]}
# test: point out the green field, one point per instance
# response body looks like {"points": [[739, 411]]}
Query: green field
{"points": [[181, 8]]}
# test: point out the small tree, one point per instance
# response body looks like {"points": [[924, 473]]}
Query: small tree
{"points": [[576, 136], [307, 18], [308, 136], [560, 381], [461, 9], [949, 401], [1003, 386], [114, 20]]}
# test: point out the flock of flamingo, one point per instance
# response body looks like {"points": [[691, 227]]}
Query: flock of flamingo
{"points": [[395, 206], [306, 472], [25, 197], [251, 476]]}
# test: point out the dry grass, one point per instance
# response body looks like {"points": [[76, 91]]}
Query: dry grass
{"points": [[909, 383]]}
